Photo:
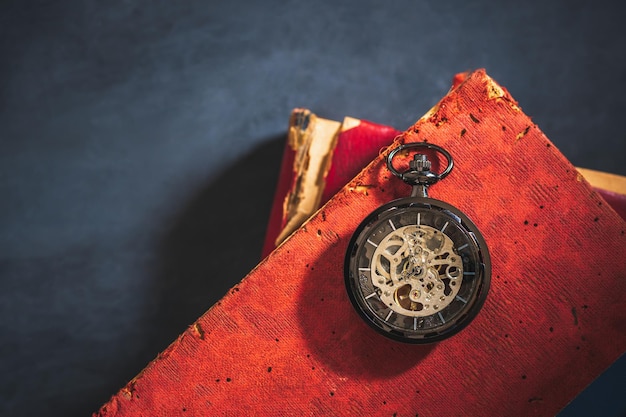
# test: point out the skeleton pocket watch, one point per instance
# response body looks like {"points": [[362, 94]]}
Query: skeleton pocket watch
{"points": [[417, 269]]}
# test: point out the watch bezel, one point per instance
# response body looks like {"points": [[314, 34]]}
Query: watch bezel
{"points": [[484, 266]]}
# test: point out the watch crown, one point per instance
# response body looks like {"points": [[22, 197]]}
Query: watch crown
{"points": [[420, 163]]}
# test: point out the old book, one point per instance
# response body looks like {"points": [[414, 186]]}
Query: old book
{"points": [[348, 147], [286, 341], [320, 157]]}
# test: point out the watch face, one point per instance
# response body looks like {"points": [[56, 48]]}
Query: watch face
{"points": [[417, 270]]}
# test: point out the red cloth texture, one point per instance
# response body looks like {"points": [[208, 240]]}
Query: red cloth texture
{"points": [[285, 183], [356, 147], [286, 340], [616, 201]]}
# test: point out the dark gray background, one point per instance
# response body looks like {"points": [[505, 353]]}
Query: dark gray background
{"points": [[140, 144]]}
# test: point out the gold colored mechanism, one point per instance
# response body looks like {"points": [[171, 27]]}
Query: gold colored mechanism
{"points": [[416, 270]]}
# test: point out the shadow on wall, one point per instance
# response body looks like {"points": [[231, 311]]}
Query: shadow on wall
{"points": [[210, 245], [215, 241]]}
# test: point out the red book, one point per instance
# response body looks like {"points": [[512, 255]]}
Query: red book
{"points": [[342, 150], [286, 340], [353, 144]]}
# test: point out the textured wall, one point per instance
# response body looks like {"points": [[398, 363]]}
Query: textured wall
{"points": [[140, 142]]}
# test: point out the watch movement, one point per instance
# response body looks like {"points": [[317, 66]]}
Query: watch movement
{"points": [[417, 269]]}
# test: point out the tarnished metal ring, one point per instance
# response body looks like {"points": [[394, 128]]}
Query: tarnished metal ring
{"points": [[413, 145]]}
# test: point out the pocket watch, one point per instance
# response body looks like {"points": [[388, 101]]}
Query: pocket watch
{"points": [[417, 269]]}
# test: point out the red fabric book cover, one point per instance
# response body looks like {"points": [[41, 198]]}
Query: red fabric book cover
{"points": [[616, 200], [357, 142], [610, 186], [286, 341]]}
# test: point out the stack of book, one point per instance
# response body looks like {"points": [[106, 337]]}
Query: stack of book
{"points": [[286, 340]]}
